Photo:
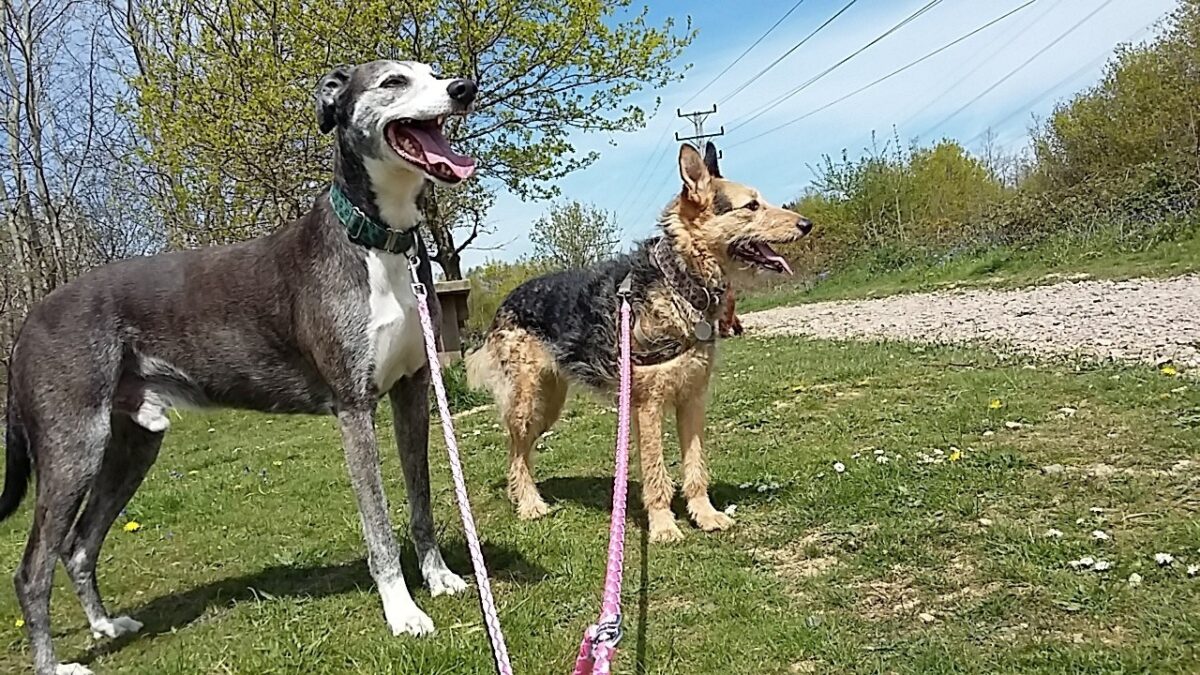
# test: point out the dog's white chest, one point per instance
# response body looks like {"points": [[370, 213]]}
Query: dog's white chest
{"points": [[394, 328]]}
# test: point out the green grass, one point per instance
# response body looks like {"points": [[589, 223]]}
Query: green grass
{"points": [[249, 559], [1103, 255]]}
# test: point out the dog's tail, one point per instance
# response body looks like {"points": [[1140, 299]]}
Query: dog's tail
{"points": [[483, 369], [18, 464]]}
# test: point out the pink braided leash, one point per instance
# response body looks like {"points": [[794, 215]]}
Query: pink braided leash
{"points": [[600, 640], [490, 617]]}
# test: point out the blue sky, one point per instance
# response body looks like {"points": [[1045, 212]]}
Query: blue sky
{"points": [[637, 176]]}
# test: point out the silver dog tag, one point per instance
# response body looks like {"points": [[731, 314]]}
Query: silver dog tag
{"points": [[703, 330]]}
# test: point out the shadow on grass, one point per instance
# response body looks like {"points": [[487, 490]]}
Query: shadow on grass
{"points": [[168, 613], [595, 492]]}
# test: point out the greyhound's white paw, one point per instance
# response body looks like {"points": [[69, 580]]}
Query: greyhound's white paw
{"points": [[444, 582], [152, 418], [115, 628], [408, 621], [402, 614], [72, 669]]}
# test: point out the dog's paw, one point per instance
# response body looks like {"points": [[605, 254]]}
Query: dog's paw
{"points": [[663, 528], [444, 582], [532, 509], [115, 628], [152, 418], [714, 522], [409, 621], [72, 669]]}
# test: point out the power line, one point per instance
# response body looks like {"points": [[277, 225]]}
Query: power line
{"points": [[786, 54], [743, 54], [812, 80], [1050, 90], [1019, 68], [659, 152], [987, 53], [890, 75]]}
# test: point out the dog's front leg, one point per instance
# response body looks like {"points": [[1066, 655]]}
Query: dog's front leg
{"points": [[410, 419], [689, 419], [657, 488], [383, 554]]}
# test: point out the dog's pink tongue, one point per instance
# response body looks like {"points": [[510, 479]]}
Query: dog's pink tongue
{"points": [[770, 254], [437, 150]]}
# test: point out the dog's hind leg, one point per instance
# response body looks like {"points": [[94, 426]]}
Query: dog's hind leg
{"points": [[534, 404], [410, 419], [689, 419], [383, 553], [130, 454], [69, 453]]}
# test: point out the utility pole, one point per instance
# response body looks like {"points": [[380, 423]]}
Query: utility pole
{"points": [[698, 118]]}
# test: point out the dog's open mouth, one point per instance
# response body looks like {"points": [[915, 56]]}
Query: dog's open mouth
{"points": [[422, 143], [759, 254]]}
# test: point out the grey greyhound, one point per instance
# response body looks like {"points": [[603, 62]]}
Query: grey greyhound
{"points": [[318, 317]]}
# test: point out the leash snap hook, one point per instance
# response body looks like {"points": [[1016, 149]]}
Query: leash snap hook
{"points": [[626, 288], [414, 265]]}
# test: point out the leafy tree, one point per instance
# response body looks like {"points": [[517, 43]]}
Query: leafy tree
{"points": [[1130, 145], [225, 96], [491, 282], [575, 235]]}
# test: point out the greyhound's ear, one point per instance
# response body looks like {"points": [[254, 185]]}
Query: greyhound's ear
{"points": [[710, 159], [697, 182], [328, 91]]}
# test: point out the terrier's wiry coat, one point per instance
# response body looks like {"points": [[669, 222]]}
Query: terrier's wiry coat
{"points": [[561, 328]]}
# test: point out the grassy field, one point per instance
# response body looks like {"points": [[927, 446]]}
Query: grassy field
{"points": [[935, 559], [1101, 256]]}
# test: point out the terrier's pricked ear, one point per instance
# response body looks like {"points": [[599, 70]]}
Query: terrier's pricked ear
{"points": [[710, 159], [697, 182], [328, 91]]}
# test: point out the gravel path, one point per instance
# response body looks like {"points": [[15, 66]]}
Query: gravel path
{"points": [[1148, 320]]}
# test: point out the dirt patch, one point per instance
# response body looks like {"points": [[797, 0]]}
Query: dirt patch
{"points": [[800, 559], [1148, 320], [887, 599], [814, 554]]}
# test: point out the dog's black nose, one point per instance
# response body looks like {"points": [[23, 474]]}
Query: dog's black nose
{"points": [[804, 224], [463, 91]]}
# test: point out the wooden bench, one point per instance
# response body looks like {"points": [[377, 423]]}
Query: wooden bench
{"points": [[452, 295]]}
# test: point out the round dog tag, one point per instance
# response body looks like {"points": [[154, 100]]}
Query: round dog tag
{"points": [[703, 330]]}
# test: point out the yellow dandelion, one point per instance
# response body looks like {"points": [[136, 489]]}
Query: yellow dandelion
{"points": [[1169, 371], [996, 404], [133, 526], [19, 623], [956, 455]]}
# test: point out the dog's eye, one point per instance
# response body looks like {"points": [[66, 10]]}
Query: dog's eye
{"points": [[751, 205], [395, 81]]}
